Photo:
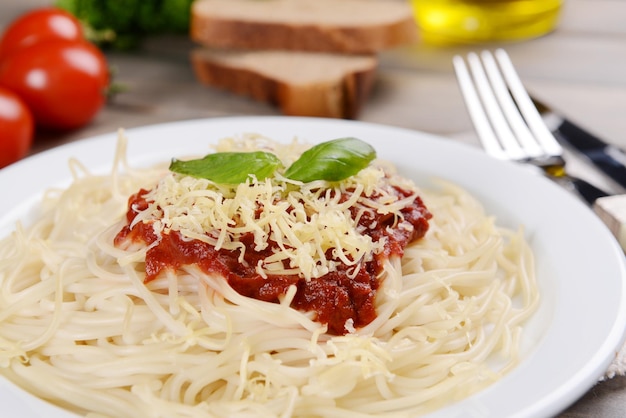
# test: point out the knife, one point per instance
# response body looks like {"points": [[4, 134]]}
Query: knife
{"points": [[610, 159]]}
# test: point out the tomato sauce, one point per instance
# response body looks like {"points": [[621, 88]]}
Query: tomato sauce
{"points": [[334, 297]]}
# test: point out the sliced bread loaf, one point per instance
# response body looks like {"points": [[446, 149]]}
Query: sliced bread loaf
{"points": [[346, 26], [299, 83]]}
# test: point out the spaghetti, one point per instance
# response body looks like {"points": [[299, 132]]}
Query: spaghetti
{"points": [[81, 326]]}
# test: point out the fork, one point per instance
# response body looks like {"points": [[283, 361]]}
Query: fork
{"points": [[508, 123]]}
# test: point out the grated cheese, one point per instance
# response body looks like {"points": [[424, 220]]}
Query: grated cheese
{"points": [[306, 222]]}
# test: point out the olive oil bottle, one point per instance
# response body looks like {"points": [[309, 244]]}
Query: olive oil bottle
{"points": [[479, 21]]}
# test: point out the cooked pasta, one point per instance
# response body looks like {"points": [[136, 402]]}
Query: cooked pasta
{"points": [[81, 327]]}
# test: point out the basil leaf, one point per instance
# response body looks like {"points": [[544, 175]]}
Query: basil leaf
{"points": [[332, 160], [229, 167]]}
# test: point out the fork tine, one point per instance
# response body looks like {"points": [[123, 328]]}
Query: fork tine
{"points": [[514, 118], [494, 113], [474, 107], [526, 106], [492, 125]]}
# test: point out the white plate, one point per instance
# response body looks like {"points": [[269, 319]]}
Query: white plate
{"points": [[568, 344]]}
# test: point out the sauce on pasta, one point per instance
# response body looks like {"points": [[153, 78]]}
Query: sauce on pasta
{"points": [[346, 294]]}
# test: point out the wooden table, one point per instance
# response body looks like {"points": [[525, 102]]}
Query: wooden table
{"points": [[580, 69]]}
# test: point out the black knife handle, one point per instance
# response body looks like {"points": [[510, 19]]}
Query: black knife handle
{"points": [[598, 152], [587, 191]]}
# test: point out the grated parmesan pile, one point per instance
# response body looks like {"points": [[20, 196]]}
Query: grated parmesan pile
{"points": [[310, 227]]}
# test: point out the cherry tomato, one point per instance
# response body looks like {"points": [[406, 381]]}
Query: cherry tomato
{"points": [[38, 25], [62, 82], [16, 128]]}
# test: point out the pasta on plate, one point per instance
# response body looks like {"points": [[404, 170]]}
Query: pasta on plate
{"points": [[150, 293]]}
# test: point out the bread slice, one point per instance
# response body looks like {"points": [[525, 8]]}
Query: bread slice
{"points": [[300, 83], [347, 26]]}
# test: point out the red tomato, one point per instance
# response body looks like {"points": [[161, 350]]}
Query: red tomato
{"points": [[62, 82], [16, 128], [39, 25]]}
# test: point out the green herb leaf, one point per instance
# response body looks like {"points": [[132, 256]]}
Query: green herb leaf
{"points": [[332, 160], [229, 167]]}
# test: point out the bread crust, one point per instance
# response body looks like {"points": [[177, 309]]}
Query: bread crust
{"points": [[208, 27], [259, 35], [340, 97]]}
